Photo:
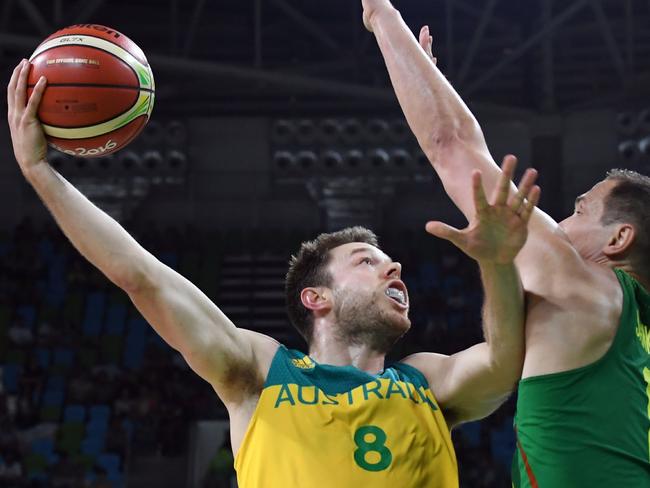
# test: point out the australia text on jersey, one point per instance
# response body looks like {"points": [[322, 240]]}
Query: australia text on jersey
{"points": [[290, 394]]}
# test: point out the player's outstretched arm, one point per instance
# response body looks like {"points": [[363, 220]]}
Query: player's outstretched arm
{"points": [[231, 359], [473, 383]]}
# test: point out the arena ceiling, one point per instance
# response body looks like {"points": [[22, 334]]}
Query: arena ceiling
{"points": [[290, 56]]}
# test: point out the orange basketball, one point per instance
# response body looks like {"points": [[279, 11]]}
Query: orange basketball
{"points": [[100, 89]]}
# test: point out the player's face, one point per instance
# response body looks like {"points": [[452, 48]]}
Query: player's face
{"points": [[370, 301], [583, 227]]}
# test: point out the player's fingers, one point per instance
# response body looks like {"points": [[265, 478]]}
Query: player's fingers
{"points": [[502, 189], [35, 99], [531, 203], [444, 231], [11, 87], [523, 190], [480, 201], [21, 86]]}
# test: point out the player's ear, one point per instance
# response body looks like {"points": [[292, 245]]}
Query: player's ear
{"points": [[316, 299], [620, 241]]}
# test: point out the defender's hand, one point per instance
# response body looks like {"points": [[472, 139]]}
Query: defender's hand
{"points": [[499, 229], [30, 147], [370, 8]]}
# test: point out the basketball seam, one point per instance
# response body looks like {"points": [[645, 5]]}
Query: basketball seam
{"points": [[96, 85]]}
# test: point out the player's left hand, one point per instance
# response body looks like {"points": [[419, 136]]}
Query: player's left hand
{"points": [[30, 147], [499, 229]]}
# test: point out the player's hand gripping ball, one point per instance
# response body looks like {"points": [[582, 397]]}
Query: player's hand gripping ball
{"points": [[100, 89]]}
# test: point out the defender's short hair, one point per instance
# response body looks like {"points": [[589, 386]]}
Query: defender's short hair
{"points": [[629, 201]]}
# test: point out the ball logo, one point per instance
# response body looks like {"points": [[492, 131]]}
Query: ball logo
{"points": [[84, 152], [68, 40]]}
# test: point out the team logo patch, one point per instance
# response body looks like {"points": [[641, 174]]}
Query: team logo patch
{"points": [[304, 363]]}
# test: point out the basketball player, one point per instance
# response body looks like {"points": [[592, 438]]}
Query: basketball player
{"points": [[338, 416], [584, 399]]}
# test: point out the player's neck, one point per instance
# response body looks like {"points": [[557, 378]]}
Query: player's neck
{"points": [[328, 350], [630, 269]]}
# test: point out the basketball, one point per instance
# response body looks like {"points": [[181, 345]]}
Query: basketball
{"points": [[100, 89]]}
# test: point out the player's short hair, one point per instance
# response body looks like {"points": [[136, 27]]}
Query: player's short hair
{"points": [[308, 268], [629, 201]]}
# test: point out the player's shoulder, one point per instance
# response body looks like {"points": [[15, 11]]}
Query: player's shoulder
{"points": [[429, 364], [264, 346]]}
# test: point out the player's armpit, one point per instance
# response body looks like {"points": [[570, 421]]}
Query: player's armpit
{"points": [[234, 361], [467, 385]]}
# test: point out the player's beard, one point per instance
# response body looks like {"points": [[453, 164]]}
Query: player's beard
{"points": [[361, 320]]}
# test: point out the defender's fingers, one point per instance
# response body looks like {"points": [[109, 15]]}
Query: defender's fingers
{"points": [[525, 185], [35, 99], [444, 231], [501, 191], [480, 201], [11, 87], [426, 41], [531, 203]]}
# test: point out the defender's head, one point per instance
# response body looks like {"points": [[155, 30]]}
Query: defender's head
{"points": [[611, 222]]}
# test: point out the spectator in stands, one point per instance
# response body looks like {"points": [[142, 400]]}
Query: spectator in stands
{"points": [[66, 474], [19, 333], [11, 469], [220, 472]]}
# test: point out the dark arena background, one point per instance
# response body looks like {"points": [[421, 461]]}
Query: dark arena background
{"points": [[275, 120]]}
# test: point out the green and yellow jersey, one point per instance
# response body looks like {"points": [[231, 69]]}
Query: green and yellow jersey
{"points": [[322, 425], [590, 427]]}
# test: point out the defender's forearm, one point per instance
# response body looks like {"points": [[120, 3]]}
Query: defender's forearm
{"points": [[99, 238], [503, 316], [433, 109]]}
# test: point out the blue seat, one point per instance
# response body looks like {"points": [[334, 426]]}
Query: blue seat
{"points": [[93, 313], [502, 444], [63, 357], [135, 343], [115, 319], [99, 413], [28, 314], [55, 383], [45, 447], [471, 432], [96, 429], [74, 413], [92, 446], [53, 398], [110, 462], [43, 357], [10, 376]]}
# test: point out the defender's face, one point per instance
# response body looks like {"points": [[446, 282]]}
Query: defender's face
{"points": [[583, 228], [366, 281]]}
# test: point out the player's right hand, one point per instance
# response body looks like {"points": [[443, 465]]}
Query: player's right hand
{"points": [[27, 137], [499, 228]]}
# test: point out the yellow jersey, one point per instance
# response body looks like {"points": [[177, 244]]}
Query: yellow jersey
{"points": [[320, 425]]}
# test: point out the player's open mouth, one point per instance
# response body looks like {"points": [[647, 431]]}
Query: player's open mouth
{"points": [[397, 295]]}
